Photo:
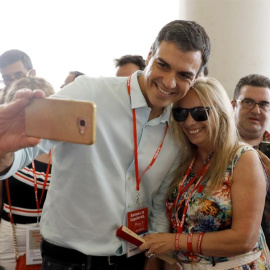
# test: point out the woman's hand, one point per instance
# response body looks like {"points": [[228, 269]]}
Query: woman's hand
{"points": [[158, 243]]}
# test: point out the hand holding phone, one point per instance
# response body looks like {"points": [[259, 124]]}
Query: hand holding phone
{"points": [[61, 120]]}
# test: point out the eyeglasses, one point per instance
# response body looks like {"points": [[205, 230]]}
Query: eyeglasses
{"points": [[10, 78], [249, 103], [198, 113]]}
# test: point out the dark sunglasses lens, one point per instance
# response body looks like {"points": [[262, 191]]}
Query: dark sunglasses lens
{"points": [[199, 114], [180, 115]]}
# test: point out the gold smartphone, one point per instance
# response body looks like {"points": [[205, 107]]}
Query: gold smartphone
{"points": [[61, 120]]}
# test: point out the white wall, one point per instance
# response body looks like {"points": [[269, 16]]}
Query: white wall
{"points": [[239, 32], [83, 35]]}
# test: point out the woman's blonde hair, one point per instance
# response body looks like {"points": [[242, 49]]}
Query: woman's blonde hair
{"points": [[224, 137], [32, 83]]}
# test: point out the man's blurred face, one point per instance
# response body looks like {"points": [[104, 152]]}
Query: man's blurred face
{"points": [[253, 121], [13, 72]]}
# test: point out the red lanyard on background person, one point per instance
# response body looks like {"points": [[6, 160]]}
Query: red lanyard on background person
{"points": [[38, 203], [181, 190], [9, 202], [138, 179]]}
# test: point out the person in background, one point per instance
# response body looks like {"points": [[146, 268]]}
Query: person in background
{"points": [[251, 104], [71, 77], [215, 203], [128, 64], [20, 188], [14, 64], [127, 170]]}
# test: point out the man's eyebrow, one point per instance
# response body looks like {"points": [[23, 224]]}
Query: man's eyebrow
{"points": [[258, 101], [163, 61], [189, 73]]}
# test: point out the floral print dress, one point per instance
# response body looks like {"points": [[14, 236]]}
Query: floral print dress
{"points": [[209, 214]]}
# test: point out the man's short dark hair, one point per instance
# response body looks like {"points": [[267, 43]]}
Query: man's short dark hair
{"points": [[76, 73], [187, 36], [205, 71], [130, 59], [252, 80], [13, 56]]}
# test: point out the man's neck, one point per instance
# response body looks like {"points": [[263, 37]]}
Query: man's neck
{"points": [[155, 114], [155, 111], [252, 140]]}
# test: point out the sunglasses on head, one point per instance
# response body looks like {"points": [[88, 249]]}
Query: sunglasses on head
{"points": [[197, 113]]}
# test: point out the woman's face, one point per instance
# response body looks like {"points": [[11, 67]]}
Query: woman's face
{"points": [[197, 131]]}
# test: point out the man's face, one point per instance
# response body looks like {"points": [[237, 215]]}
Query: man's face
{"points": [[252, 121], [13, 72], [169, 74], [126, 70]]}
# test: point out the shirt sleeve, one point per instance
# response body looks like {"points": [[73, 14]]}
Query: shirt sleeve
{"points": [[24, 156]]}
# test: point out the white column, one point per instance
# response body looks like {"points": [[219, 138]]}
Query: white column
{"points": [[239, 33]]}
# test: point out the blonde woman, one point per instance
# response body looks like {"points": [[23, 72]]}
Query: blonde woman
{"points": [[216, 201]]}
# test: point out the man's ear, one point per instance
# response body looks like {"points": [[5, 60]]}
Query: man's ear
{"points": [[150, 54], [31, 73], [233, 103]]}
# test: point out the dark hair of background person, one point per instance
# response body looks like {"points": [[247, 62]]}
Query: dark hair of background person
{"points": [[130, 59], [13, 56], [252, 80], [31, 83], [205, 71], [72, 75], [76, 74], [188, 36]]}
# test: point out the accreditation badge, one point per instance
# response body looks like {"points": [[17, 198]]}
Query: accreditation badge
{"points": [[33, 240], [137, 221]]}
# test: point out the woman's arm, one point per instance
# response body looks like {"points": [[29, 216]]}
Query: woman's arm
{"points": [[248, 196]]}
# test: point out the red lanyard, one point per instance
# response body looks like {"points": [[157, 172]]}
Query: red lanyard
{"points": [[35, 188], [44, 184], [181, 190], [9, 202], [138, 179]]}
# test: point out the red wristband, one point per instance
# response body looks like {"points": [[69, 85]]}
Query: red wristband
{"points": [[199, 243], [177, 247], [189, 243]]}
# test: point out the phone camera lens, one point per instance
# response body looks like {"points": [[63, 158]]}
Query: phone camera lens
{"points": [[82, 123]]}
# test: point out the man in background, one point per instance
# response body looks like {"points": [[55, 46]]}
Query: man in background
{"points": [[71, 77], [128, 64], [251, 103], [14, 64]]}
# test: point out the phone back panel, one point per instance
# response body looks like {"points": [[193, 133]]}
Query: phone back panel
{"points": [[61, 120]]}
